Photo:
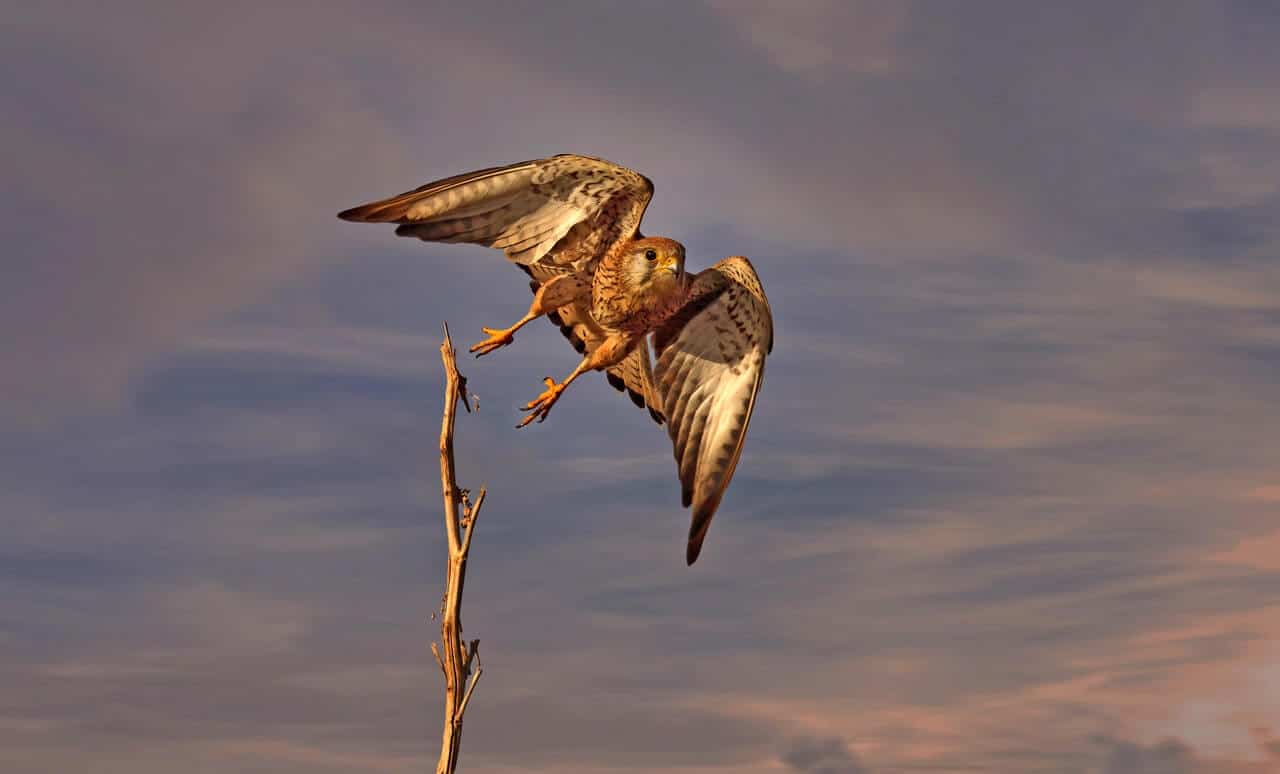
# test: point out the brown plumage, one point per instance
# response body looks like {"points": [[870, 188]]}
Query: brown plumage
{"points": [[572, 223]]}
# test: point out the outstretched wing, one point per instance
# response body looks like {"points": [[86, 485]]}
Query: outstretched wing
{"points": [[565, 210], [710, 364]]}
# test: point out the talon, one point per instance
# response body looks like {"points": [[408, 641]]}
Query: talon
{"points": [[498, 338], [540, 406]]}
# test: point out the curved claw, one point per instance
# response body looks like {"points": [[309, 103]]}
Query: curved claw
{"points": [[540, 406], [498, 338]]}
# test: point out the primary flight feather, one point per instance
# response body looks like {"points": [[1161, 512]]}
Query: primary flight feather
{"points": [[573, 224]]}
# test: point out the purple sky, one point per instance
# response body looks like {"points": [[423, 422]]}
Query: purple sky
{"points": [[1011, 497]]}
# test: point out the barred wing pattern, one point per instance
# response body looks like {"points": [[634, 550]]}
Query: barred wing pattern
{"points": [[566, 210], [634, 376], [710, 364]]}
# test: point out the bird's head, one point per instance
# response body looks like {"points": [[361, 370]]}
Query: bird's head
{"points": [[656, 263]]}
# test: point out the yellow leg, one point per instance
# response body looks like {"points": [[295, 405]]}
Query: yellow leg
{"points": [[500, 337], [610, 352], [540, 406], [551, 295]]}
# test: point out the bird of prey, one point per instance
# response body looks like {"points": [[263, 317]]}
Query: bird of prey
{"points": [[573, 224]]}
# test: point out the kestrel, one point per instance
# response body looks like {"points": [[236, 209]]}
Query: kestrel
{"points": [[573, 224]]}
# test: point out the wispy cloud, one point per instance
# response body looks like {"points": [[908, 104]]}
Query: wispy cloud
{"points": [[820, 37], [821, 756]]}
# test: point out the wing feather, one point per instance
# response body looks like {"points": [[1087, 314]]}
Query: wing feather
{"points": [[529, 210], [634, 376], [709, 369]]}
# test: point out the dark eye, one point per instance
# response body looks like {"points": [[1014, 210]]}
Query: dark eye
{"points": [[651, 254]]}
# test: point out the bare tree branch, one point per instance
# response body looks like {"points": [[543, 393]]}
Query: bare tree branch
{"points": [[454, 655]]}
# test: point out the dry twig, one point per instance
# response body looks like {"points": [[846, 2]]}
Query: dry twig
{"points": [[455, 656]]}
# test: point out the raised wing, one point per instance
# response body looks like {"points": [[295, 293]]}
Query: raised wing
{"points": [[710, 364], [565, 210]]}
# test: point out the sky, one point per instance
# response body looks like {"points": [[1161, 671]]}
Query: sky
{"points": [[1010, 501]]}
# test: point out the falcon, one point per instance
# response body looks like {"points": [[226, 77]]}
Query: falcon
{"points": [[572, 223]]}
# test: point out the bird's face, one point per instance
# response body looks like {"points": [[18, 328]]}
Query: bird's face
{"points": [[657, 264]]}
